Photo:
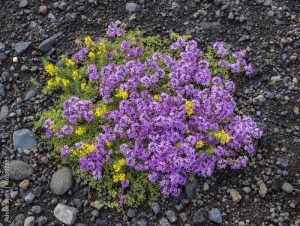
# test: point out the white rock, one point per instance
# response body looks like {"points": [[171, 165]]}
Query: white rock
{"points": [[65, 214]]}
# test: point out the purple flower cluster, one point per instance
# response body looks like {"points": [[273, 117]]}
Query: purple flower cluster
{"points": [[92, 71], [79, 55], [47, 126], [75, 109], [113, 31], [176, 119], [93, 162]]}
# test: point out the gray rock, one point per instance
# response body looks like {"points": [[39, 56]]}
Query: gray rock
{"points": [[36, 209], [29, 221], [231, 16], [19, 170], [287, 187], [171, 215], [215, 215], [21, 47], [198, 218], [131, 213], [95, 213], [5, 76], [24, 68], [23, 3], [190, 189], [156, 208], [30, 94], [164, 222], [29, 198], [210, 26], [65, 214], [2, 90], [47, 44], [23, 139], [132, 7], [268, 2], [218, 2], [283, 163], [62, 181], [2, 47], [4, 112], [19, 220], [141, 222], [42, 220]]}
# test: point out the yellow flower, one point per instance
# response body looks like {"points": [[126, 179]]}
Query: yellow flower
{"points": [[88, 40], [51, 69], [108, 144], [79, 131], [85, 149], [65, 82], [50, 84], [156, 97], [92, 55], [57, 81], [75, 75], [102, 48], [222, 136], [83, 85], [101, 111], [189, 107], [188, 131], [70, 63], [119, 177], [121, 94], [199, 144], [118, 165]]}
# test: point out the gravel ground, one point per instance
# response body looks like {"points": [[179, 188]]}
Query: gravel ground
{"points": [[40, 192]]}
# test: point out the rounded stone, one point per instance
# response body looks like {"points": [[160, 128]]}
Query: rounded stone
{"points": [[62, 181], [23, 139], [65, 214], [215, 216], [287, 187], [19, 170]]}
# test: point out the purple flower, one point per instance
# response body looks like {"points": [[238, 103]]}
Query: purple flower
{"points": [[80, 55], [248, 69], [67, 130], [92, 71], [125, 183], [65, 150]]}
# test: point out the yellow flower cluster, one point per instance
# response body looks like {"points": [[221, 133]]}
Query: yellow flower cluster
{"points": [[83, 85], [80, 130], [75, 75], [189, 107], [117, 168], [85, 149], [156, 97], [108, 144], [57, 81], [121, 94], [118, 177], [222, 136], [88, 41], [92, 55], [199, 144], [100, 111], [102, 48], [51, 69], [118, 165]]}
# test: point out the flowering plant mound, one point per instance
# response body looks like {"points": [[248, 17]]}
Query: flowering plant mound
{"points": [[137, 119]]}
